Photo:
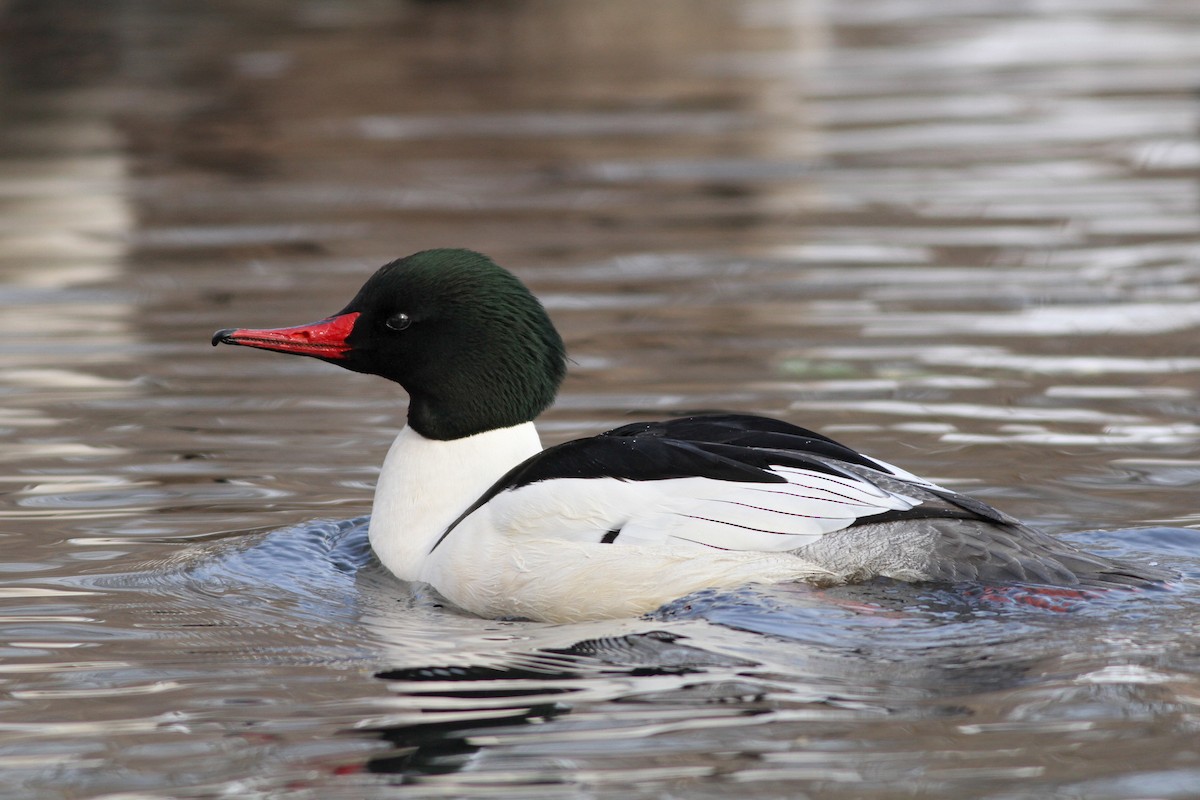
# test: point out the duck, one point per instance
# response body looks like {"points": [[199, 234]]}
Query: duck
{"points": [[620, 523]]}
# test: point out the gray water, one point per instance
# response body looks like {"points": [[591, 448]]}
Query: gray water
{"points": [[962, 237]]}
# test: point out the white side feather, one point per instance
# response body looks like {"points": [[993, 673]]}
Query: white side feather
{"points": [[683, 512]]}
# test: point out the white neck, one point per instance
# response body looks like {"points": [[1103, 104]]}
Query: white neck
{"points": [[425, 484]]}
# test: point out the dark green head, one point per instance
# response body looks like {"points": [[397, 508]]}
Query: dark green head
{"points": [[472, 347]]}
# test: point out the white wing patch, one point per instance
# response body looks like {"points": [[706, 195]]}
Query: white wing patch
{"points": [[696, 511]]}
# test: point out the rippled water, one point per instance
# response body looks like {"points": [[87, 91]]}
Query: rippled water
{"points": [[961, 237]]}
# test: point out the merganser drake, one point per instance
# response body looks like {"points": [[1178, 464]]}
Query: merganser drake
{"points": [[617, 524]]}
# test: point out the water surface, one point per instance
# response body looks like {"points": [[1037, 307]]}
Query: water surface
{"points": [[962, 240]]}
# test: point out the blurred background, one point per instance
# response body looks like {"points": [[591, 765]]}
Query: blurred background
{"points": [[962, 237], [970, 232]]}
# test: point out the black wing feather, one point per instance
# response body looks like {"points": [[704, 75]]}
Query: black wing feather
{"points": [[975, 541], [724, 447], [747, 430], [628, 458]]}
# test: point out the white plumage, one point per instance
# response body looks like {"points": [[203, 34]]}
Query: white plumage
{"points": [[576, 548]]}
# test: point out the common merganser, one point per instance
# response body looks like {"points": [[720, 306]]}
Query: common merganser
{"points": [[618, 524]]}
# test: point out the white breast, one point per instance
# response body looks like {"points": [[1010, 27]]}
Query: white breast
{"points": [[425, 484]]}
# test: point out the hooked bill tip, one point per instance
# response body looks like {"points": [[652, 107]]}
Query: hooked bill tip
{"points": [[224, 335]]}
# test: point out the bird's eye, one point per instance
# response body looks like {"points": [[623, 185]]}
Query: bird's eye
{"points": [[399, 322]]}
